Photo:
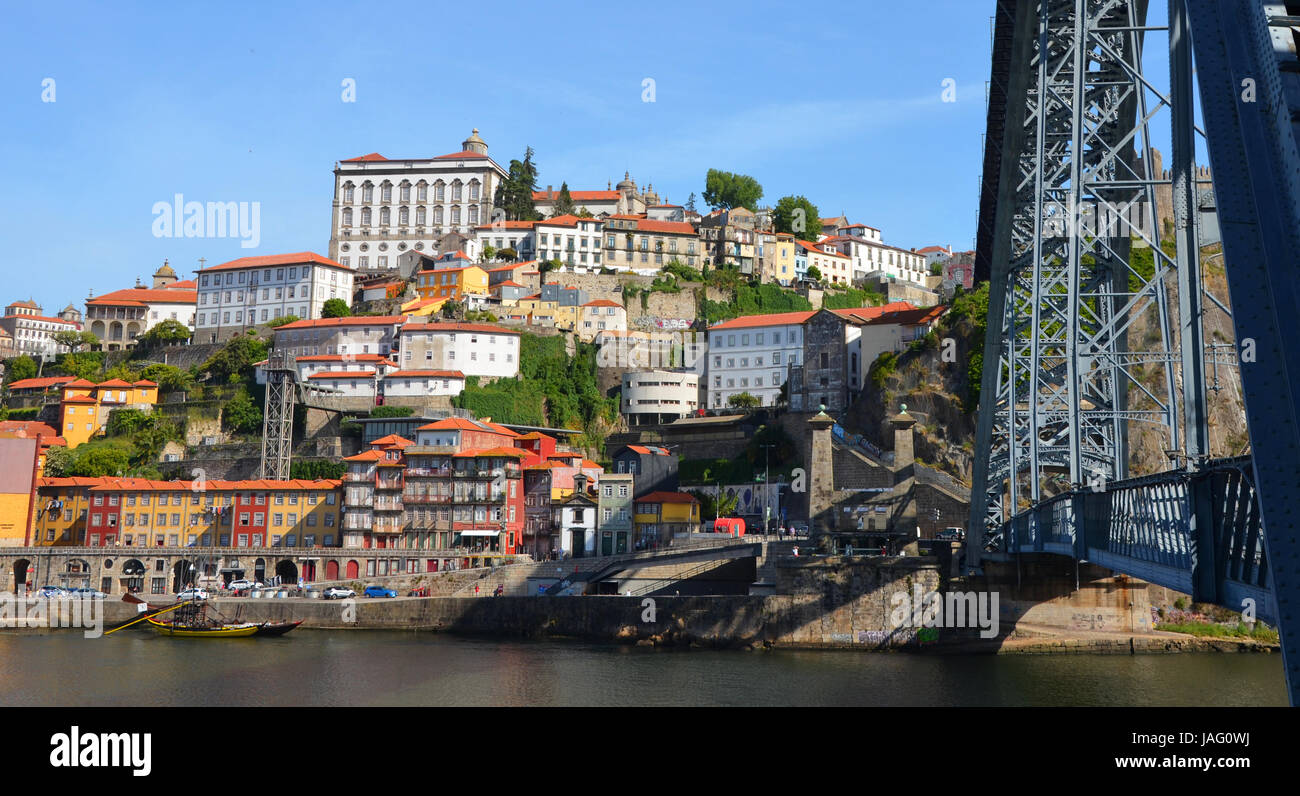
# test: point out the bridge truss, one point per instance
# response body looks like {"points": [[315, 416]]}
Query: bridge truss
{"points": [[1069, 195]]}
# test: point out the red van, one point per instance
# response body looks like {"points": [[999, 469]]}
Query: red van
{"points": [[732, 526]]}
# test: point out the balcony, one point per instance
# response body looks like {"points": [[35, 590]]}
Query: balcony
{"points": [[359, 477], [426, 498], [429, 472], [388, 483], [387, 505]]}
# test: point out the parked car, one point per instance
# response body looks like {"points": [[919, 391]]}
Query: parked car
{"points": [[338, 593], [88, 593], [379, 591], [192, 593], [951, 535], [52, 592], [243, 583]]}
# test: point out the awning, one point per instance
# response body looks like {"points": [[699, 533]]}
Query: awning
{"points": [[479, 533]]}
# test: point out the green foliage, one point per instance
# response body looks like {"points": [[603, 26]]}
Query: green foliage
{"points": [[489, 251], [57, 461], [335, 308], [852, 298], [276, 323], [936, 269], [233, 364], [91, 460], [969, 312], [797, 216], [690, 203], [564, 202], [241, 415], [168, 332], [755, 300], [19, 414], [18, 368], [882, 369], [453, 309], [168, 377], [814, 273], [682, 271], [75, 340], [711, 508], [725, 190], [744, 400], [317, 469], [82, 364], [666, 283], [507, 255], [126, 421], [482, 316], [392, 411]]}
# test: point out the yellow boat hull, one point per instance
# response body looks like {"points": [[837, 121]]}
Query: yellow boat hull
{"points": [[223, 631]]}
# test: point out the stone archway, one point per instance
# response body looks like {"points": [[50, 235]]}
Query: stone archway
{"points": [[133, 570], [259, 570], [287, 572], [331, 570], [76, 572], [22, 569], [184, 573], [353, 569]]}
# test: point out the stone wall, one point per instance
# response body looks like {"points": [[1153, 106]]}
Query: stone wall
{"points": [[1040, 590]]}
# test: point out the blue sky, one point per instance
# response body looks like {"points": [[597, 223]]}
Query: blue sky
{"points": [[840, 102]]}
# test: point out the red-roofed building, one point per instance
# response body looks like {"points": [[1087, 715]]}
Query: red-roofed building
{"points": [[600, 315], [660, 517], [384, 207], [244, 293], [633, 242], [475, 349], [32, 333], [573, 240], [119, 318]]}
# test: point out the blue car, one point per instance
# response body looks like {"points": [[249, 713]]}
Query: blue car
{"points": [[378, 591]]}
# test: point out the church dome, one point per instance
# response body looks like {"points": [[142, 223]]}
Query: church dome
{"points": [[166, 270], [627, 184], [474, 143]]}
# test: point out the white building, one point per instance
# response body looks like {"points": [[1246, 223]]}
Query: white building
{"points": [[517, 235], [352, 336], [242, 293], [384, 207], [33, 333], [417, 383], [752, 355], [474, 349], [573, 240], [659, 396], [872, 258], [598, 316], [835, 267]]}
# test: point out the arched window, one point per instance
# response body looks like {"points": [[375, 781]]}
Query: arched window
{"points": [[347, 191], [455, 191], [437, 216], [367, 193], [383, 217], [419, 216], [455, 216], [473, 190], [422, 192], [439, 191], [365, 216], [347, 216], [404, 216], [386, 192], [473, 214], [406, 191]]}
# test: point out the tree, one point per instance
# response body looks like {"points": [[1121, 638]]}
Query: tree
{"points": [[99, 460], [57, 462], [276, 323], [797, 216], [234, 362], [168, 332], [725, 190], [335, 308], [564, 202], [23, 367], [514, 194], [548, 266], [507, 255], [690, 203], [453, 309], [75, 340], [743, 400], [487, 254], [168, 378], [814, 273], [241, 415]]}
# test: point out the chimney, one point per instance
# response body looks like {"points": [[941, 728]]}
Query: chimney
{"points": [[549, 192], [902, 423]]}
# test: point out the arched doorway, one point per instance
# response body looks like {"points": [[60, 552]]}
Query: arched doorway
{"points": [[185, 573], [309, 571], [259, 570], [332, 570], [133, 575], [354, 569], [22, 569], [287, 572]]}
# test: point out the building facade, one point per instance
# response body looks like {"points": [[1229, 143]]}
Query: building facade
{"points": [[651, 397], [240, 294]]}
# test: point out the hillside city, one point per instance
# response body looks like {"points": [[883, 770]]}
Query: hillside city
{"points": [[481, 369]]}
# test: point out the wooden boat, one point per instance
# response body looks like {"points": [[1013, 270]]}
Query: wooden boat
{"points": [[276, 628], [186, 630]]}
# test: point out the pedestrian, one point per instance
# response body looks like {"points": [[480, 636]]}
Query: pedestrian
{"points": [[475, 589]]}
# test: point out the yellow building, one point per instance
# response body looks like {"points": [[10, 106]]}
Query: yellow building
{"points": [[423, 307], [659, 517], [776, 257], [85, 405], [452, 283], [536, 311], [62, 510]]}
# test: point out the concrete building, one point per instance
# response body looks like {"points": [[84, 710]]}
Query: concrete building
{"points": [[653, 468], [573, 240], [637, 243], [386, 206], [873, 259], [651, 397], [474, 349], [835, 267], [33, 333], [624, 198], [350, 337], [240, 294], [615, 508], [752, 355], [415, 383], [597, 316], [776, 258]]}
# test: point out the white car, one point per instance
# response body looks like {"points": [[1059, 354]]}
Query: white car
{"points": [[193, 593], [243, 583], [338, 593]]}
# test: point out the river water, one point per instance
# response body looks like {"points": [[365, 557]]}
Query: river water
{"points": [[360, 668]]}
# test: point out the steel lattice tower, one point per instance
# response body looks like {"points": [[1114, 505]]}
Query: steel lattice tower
{"points": [[1074, 197], [277, 423]]}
